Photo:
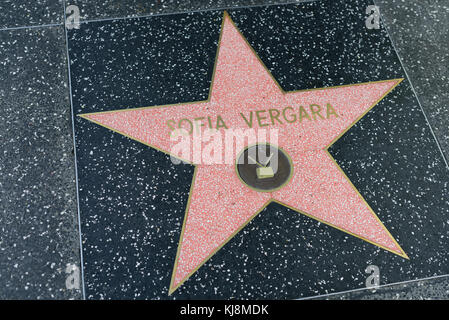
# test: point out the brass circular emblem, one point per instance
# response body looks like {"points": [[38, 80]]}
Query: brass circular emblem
{"points": [[264, 167]]}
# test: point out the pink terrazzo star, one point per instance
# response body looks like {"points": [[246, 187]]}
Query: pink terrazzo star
{"points": [[220, 205]]}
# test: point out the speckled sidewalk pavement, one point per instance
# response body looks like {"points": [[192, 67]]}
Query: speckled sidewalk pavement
{"points": [[87, 213]]}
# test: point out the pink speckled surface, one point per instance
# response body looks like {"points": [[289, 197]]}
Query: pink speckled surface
{"points": [[220, 204]]}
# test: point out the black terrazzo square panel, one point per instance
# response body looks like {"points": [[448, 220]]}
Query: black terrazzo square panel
{"points": [[133, 198]]}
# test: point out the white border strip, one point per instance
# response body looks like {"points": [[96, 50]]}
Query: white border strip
{"points": [[83, 290], [32, 27]]}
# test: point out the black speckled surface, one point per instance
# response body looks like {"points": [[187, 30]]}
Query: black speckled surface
{"points": [[38, 217], [21, 13], [420, 31], [132, 198], [106, 9]]}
